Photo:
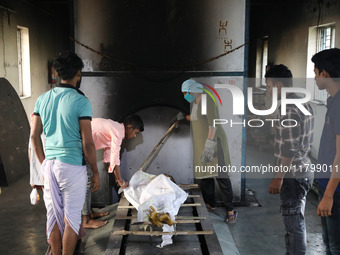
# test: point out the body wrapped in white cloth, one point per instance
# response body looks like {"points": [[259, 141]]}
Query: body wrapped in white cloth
{"points": [[160, 192]]}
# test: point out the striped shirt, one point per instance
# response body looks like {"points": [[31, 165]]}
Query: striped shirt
{"points": [[294, 135]]}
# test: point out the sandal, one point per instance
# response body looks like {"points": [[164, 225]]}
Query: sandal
{"points": [[228, 219]]}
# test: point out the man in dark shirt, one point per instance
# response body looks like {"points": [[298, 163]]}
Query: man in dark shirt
{"points": [[291, 148], [327, 76]]}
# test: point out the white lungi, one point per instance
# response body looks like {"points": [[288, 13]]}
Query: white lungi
{"points": [[64, 194], [35, 166]]}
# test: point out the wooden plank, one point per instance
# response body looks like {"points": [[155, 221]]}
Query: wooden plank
{"points": [[160, 233], [115, 242], [179, 217], [191, 196], [191, 205], [147, 245], [132, 207], [186, 221], [188, 186], [212, 244], [175, 221]]}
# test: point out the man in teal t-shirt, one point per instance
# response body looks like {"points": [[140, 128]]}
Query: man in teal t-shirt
{"points": [[60, 109], [64, 115]]}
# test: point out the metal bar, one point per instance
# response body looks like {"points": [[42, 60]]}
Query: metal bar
{"points": [[115, 242], [157, 145], [175, 73], [210, 241]]}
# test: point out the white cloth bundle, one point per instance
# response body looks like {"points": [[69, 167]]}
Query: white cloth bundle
{"points": [[147, 190], [34, 196]]}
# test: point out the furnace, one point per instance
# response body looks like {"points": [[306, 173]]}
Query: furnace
{"points": [[136, 57]]}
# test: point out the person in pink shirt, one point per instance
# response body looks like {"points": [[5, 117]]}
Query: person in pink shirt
{"points": [[108, 135]]}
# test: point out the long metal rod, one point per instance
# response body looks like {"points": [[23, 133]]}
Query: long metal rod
{"points": [[174, 73], [156, 147]]}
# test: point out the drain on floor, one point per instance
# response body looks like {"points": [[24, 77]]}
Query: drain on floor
{"points": [[250, 199]]}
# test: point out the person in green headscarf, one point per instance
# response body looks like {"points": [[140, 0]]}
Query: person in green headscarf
{"points": [[210, 149]]}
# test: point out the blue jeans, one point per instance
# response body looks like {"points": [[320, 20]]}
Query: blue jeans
{"points": [[293, 201], [331, 226]]}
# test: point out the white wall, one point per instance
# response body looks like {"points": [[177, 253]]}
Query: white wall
{"points": [[288, 40], [44, 42]]}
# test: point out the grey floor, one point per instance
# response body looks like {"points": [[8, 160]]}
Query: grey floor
{"points": [[258, 230]]}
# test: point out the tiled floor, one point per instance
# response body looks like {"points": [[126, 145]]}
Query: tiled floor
{"points": [[259, 230]]}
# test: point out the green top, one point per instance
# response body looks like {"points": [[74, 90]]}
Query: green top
{"points": [[200, 129]]}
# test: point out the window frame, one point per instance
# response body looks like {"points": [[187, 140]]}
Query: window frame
{"points": [[314, 46], [261, 61], [24, 66]]}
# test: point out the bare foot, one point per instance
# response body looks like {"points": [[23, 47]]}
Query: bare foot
{"points": [[94, 224], [95, 215]]}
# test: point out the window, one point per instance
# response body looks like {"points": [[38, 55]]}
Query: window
{"points": [[261, 61], [24, 62], [319, 38], [325, 37]]}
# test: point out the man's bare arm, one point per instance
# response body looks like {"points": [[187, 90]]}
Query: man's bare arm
{"points": [[36, 138], [276, 184], [326, 203], [120, 182]]}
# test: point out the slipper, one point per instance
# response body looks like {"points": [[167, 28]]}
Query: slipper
{"points": [[231, 221], [96, 215]]}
